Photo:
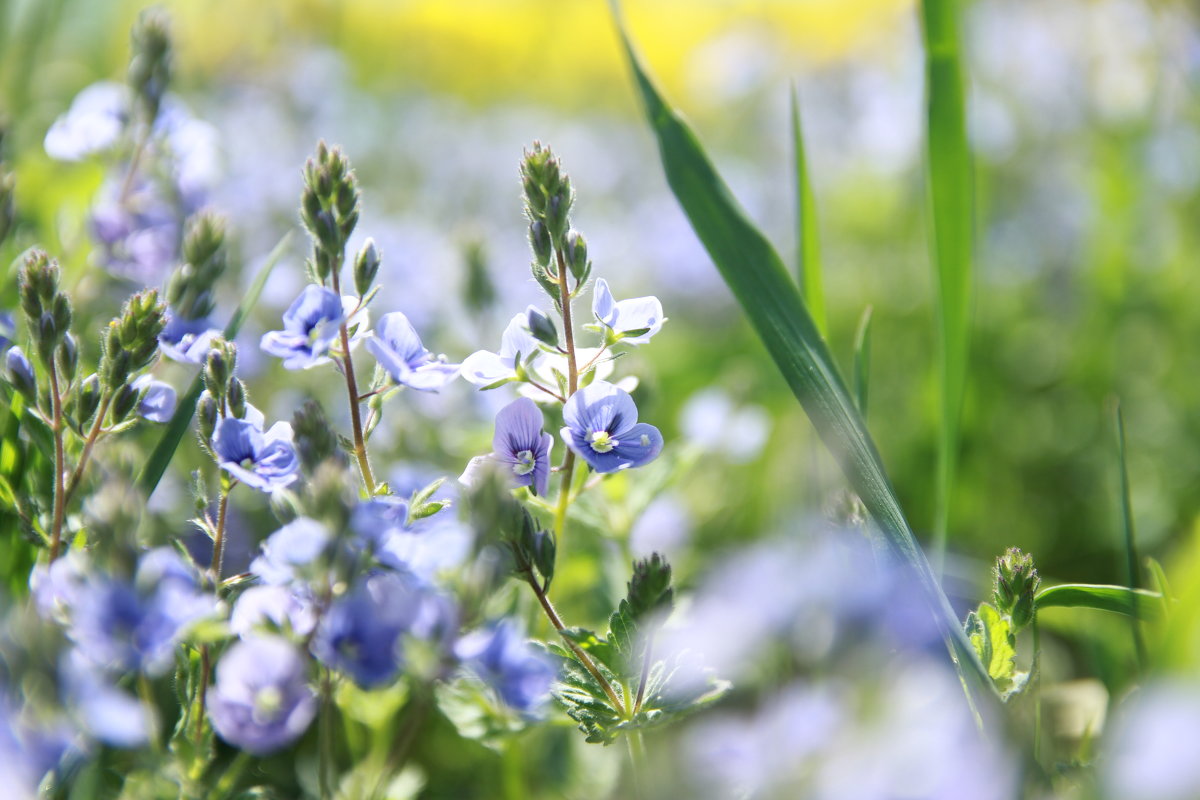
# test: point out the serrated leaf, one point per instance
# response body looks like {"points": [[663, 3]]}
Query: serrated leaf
{"points": [[594, 646]]}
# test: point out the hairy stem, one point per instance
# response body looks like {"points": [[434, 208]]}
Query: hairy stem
{"points": [[360, 443], [202, 694], [59, 465], [88, 444], [637, 755], [568, 467], [218, 556], [583, 657]]}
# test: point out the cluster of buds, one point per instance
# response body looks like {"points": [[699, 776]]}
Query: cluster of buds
{"points": [[47, 311], [224, 393], [129, 346], [150, 63], [316, 441], [1016, 585], [190, 290], [548, 201], [329, 209]]}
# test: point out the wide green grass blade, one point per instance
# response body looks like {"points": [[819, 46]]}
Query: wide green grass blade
{"points": [[1138, 603], [808, 251], [177, 428], [951, 210], [767, 293], [1133, 579]]}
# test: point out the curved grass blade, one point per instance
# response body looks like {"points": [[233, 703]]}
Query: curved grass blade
{"points": [[950, 203], [1131, 556], [757, 277], [1137, 603], [177, 428], [862, 360], [808, 251]]}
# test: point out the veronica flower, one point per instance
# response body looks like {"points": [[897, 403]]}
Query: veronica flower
{"points": [[421, 549], [261, 701], [398, 349], [502, 658], [107, 712], [20, 370], [632, 321], [95, 121], [7, 331], [29, 748], [297, 544], [265, 461], [602, 427], [187, 340], [158, 401], [310, 325], [284, 608], [520, 445], [484, 368]]}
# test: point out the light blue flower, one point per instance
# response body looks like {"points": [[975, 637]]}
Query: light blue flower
{"points": [[310, 325], [633, 321], [296, 545], [602, 428], [398, 349], [503, 659], [106, 712], [95, 121], [187, 340], [7, 331], [265, 461], [483, 368], [261, 701], [283, 608], [158, 400], [20, 369], [522, 446]]}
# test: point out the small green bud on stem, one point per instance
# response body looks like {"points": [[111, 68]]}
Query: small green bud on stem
{"points": [[1016, 585]]}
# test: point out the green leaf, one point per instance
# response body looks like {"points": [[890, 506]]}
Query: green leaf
{"points": [[951, 208], [808, 251], [1133, 579], [862, 360], [594, 646], [181, 421], [757, 278], [1139, 603]]}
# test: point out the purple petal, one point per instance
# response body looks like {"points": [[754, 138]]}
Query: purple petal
{"points": [[518, 427], [484, 368]]}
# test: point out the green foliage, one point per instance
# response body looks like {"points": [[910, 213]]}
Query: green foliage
{"points": [[808, 250], [992, 634], [1140, 603]]}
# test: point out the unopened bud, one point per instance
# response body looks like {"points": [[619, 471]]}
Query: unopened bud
{"points": [[68, 357], [20, 374], [46, 339], [236, 398], [539, 241], [577, 254], [315, 438], [366, 267], [88, 399], [542, 327], [216, 372], [1016, 585], [206, 416], [125, 402]]}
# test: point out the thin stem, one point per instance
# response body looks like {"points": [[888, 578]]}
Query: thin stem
{"points": [[230, 778], [583, 657], [360, 444], [59, 465], [134, 163], [218, 556], [202, 694], [88, 443], [568, 467], [325, 735], [550, 392], [637, 754], [595, 358], [1037, 690], [641, 692]]}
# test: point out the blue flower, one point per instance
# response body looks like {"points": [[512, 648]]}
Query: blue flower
{"points": [[105, 711], [20, 370], [602, 427], [29, 748], [126, 627], [359, 633], [265, 461], [297, 544], [502, 658], [94, 123], [522, 446], [310, 326], [641, 316], [284, 608], [158, 401], [187, 340], [7, 331], [261, 701], [398, 349], [483, 368]]}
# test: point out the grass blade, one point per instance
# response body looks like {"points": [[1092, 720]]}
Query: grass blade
{"points": [[951, 204], [1137, 603], [757, 277], [181, 421], [862, 360], [1131, 555], [808, 251]]}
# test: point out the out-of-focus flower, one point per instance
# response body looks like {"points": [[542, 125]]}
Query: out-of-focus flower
{"points": [[632, 321], [421, 549], [261, 701], [294, 546], [360, 632], [265, 461], [126, 627], [7, 331], [310, 325], [663, 527], [20, 372], [158, 402], [602, 428], [95, 121], [1151, 749], [484, 367], [281, 606], [27, 751], [187, 340], [521, 445], [398, 349], [503, 659], [139, 228], [710, 420], [107, 713], [55, 587]]}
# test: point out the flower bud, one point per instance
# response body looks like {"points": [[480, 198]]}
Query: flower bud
{"points": [[1016, 585], [87, 399], [558, 211], [577, 255], [366, 267], [542, 328], [544, 551], [46, 338], [68, 357], [206, 416], [116, 369], [539, 241], [236, 398], [315, 438], [20, 374], [150, 64], [216, 372], [125, 402]]}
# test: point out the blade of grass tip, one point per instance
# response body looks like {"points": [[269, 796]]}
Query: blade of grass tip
{"points": [[181, 421], [756, 276], [808, 251], [862, 359], [1131, 556], [1137, 603], [951, 203]]}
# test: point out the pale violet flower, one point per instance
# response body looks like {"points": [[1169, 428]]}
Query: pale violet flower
{"points": [[633, 321], [293, 547], [266, 461], [94, 123], [602, 428], [398, 349], [484, 368], [281, 607], [157, 402], [501, 657], [261, 701], [310, 326], [520, 446], [187, 340], [1151, 749]]}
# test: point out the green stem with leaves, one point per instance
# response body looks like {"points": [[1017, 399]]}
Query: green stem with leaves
{"points": [[218, 556]]}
